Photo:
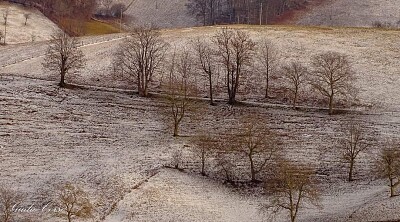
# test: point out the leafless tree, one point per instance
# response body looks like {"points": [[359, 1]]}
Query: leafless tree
{"points": [[107, 6], [296, 75], [73, 202], [257, 143], [6, 13], [63, 56], [352, 144], [290, 187], [235, 51], [206, 59], [332, 76], [177, 157], [140, 56], [268, 58], [1, 36], [27, 16], [8, 199], [387, 165], [180, 89], [204, 147], [225, 165]]}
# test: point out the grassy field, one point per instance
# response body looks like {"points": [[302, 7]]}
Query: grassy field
{"points": [[91, 27], [103, 131]]}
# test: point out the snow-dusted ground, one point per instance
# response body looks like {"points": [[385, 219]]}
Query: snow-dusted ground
{"points": [[354, 13], [159, 13], [94, 135], [37, 28]]}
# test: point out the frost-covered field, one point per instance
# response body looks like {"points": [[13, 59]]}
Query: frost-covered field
{"points": [[37, 28], [106, 138], [159, 13], [355, 13]]}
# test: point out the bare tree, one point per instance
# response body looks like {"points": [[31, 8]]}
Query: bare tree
{"points": [[387, 166], [1, 36], [27, 16], [6, 13], [206, 58], [180, 89], [177, 157], [73, 202], [332, 76], [63, 56], [140, 56], [296, 75], [353, 143], [258, 143], [235, 51], [290, 187], [225, 165], [199, 8], [204, 146], [268, 58], [8, 199]]}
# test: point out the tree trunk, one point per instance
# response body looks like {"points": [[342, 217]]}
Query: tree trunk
{"points": [[351, 170], [331, 105], [211, 91], [267, 85], [231, 100], [253, 172], [62, 80], [295, 100], [203, 164], [176, 126], [391, 188]]}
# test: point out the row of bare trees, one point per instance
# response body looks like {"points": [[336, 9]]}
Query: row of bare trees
{"points": [[231, 52], [234, 54], [211, 12]]}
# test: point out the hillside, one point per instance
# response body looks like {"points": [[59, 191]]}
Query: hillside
{"points": [[38, 27], [161, 13], [104, 136], [354, 13]]}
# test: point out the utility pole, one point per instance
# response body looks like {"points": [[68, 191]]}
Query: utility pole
{"points": [[261, 12], [120, 21]]}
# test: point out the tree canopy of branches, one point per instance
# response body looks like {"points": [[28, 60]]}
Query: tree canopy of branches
{"points": [[140, 57], [63, 56], [290, 187], [8, 199], [296, 75], [204, 10], [204, 147], [206, 60], [352, 144], [259, 12], [332, 76], [235, 51], [6, 13], [179, 89], [257, 143], [74, 202], [387, 165], [268, 58]]}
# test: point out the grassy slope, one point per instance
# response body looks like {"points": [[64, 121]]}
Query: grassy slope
{"points": [[161, 13], [38, 27], [355, 13], [127, 145]]}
